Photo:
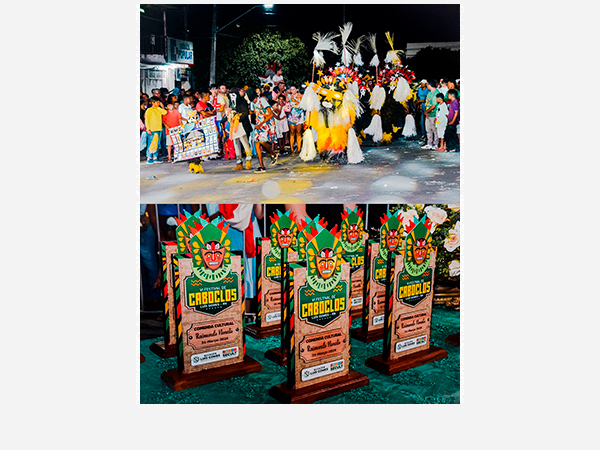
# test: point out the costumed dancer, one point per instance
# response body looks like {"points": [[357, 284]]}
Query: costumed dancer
{"points": [[264, 130], [332, 108], [240, 127], [296, 119]]}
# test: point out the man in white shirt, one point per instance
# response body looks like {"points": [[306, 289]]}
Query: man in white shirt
{"points": [[185, 108]]}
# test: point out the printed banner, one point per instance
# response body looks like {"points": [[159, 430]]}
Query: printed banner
{"points": [[197, 139]]}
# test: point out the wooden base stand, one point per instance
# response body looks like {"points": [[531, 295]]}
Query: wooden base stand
{"points": [[390, 367], [262, 332], [277, 356], [319, 391], [369, 336], [163, 351], [453, 339], [355, 314], [178, 382]]}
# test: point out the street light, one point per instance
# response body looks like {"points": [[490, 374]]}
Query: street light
{"points": [[215, 31]]}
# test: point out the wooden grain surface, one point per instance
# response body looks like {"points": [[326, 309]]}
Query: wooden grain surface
{"points": [[189, 317], [303, 329]]}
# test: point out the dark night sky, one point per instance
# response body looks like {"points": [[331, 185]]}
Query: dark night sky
{"points": [[409, 23]]}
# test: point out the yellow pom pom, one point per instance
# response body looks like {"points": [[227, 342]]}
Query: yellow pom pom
{"points": [[387, 138]]}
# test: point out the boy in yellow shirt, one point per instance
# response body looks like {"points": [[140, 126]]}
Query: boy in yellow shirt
{"points": [[154, 125]]}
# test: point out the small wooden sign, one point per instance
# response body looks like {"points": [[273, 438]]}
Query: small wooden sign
{"points": [[319, 325], [210, 311], [407, 330]]}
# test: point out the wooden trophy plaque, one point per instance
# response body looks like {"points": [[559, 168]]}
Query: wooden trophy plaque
{"points": [[167, 348], [407, 330], [268, 276], [375, 269], [210, 312], [319, 323], [353, 240]]}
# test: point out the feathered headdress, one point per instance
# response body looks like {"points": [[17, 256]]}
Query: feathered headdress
{"points": [[392, 55], [325, 42]]}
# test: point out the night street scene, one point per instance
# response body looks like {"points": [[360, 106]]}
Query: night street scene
{"points": [[277, 104]]}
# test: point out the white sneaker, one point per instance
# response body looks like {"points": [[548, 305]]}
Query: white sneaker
{"points": [[427, 147]]}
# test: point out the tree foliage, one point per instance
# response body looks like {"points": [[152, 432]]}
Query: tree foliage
{"points": [[243, 63]]}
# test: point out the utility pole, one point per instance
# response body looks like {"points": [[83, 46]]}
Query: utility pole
{"points": [[185, 18], [213, 52], [165, 34]]}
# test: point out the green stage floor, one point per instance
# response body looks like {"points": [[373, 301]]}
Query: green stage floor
{"points": [[436, 382]]}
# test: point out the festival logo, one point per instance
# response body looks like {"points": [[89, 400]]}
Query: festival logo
{"points": [[185, 223], [304, 235], [214, 287], [352, 229], [324, 298], [324, 257], [390, 234], [211, 256], [284, 232], [418, 247]]}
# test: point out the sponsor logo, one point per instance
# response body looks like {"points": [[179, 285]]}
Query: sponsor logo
{"points": [[415, 342], [272, 317], [213, 356], [378, 320], [356, 301], [321, 370]]}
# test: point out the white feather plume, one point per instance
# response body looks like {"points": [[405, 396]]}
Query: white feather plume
{"points": [[318, 58], [355, 154], [308, 151], [375, 60], [377, 97], [355, 49], [371, 40], [375, 129], [350, 100], [325, 42], [345, 31], [402, 91], [409, 129], [310, 99]]}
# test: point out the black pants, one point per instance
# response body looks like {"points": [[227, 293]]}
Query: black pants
{"points": [[451, 137]]}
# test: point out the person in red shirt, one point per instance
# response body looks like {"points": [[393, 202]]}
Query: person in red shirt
{"points": [[171, 119], [203, 106]]}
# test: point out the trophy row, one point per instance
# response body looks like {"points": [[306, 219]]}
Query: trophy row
{"points": [[311, 283]]}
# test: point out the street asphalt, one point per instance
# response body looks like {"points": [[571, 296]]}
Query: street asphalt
{"points": [[400, 172]]}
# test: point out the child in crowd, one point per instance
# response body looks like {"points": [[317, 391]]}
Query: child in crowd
{"points": [[228, 150], [171, 119], [441, 120], [281, 122], [154, 126], [452, 139]]}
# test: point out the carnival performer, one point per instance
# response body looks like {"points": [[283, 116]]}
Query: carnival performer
{"points": [[264, 129], [296, 119], [240, 127], [281, 122]]}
